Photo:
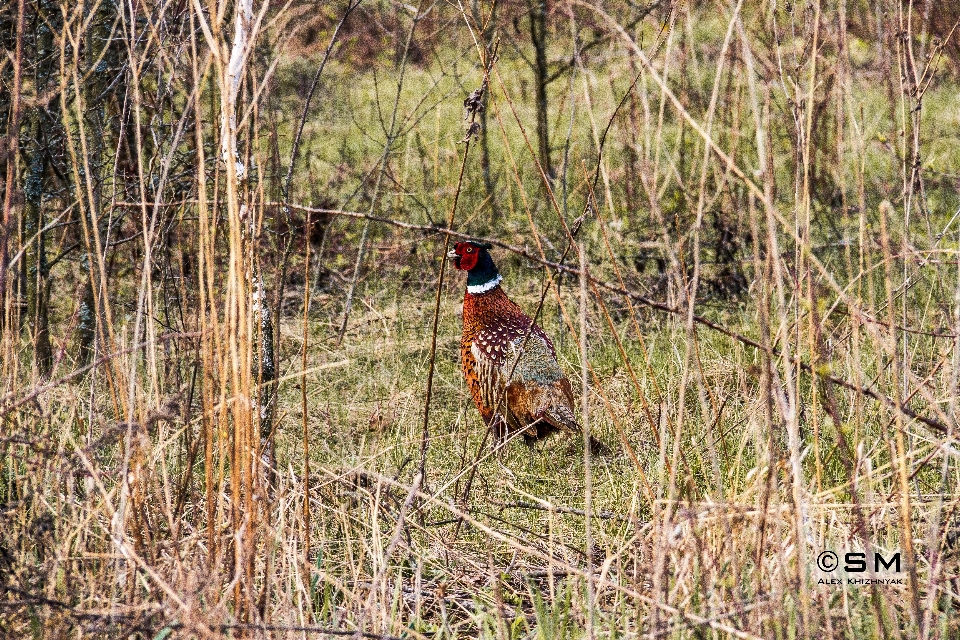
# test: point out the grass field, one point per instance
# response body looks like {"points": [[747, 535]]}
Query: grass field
{"points": [[225, 417]]}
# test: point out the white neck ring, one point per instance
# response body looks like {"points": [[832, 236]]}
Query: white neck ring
{"points": [[486, 286]]}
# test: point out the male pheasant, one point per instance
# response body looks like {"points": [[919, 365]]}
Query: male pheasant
{"points": [[516, 387]]}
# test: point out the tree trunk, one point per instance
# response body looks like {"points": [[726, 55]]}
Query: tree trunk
{"points": [[486, 36], [537, 10], [12, 152], [36, 280], [92, 303]]}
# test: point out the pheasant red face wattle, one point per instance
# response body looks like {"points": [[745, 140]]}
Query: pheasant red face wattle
{"points": [[464, 256]]}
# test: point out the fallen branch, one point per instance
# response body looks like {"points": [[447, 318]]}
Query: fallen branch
{"points": [[865, 390]]}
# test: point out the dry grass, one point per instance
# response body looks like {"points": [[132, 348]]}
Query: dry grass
{"points": [[761, 299]]}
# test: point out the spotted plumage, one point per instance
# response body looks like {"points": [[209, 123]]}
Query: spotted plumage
{"points": [[516, 386]]}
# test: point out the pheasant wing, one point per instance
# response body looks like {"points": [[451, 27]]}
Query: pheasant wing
{"points": [[487, 369]]}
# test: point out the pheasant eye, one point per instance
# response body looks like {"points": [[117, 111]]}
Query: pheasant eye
{"points": [[470, 250]]}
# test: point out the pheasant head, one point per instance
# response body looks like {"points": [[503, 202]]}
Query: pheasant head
{"points": [[474, 258]]}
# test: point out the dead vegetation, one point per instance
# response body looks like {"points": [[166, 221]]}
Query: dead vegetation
{"points": [[223, 299]]}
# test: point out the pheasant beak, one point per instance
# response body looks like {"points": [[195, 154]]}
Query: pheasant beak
{"points": [[452, 254]]}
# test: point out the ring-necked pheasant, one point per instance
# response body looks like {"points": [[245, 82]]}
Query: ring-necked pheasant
{"points": [[514, 390]]}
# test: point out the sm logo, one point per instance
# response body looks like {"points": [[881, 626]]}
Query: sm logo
{"points": [[856, 562]]}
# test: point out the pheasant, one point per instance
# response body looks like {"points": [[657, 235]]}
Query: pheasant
{"points": [[516, 387]]}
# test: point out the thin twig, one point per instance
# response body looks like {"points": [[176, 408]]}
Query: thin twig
{"points": [[475, 104], [295, 155], [392, 134]]}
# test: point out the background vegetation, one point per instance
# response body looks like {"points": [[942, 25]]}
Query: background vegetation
{"points": [[230, 402]]}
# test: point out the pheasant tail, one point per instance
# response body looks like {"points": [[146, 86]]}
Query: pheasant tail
{"points": [[560, 416]]}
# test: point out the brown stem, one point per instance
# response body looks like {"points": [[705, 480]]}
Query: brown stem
{"points": [[12, 152]]}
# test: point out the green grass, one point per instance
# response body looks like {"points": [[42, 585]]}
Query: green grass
{"points": [[707, 515]]}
